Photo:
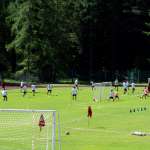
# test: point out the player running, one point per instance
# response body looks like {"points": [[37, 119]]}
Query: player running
{"points": [[92, 85], [33, 86], [111, 95], [49, 89], [24, 90], [127, 84], [76, 83], [74, 92], [21, 85], [116, 84], [4, 94], [133, 87], [124, 87], [145, 93]]}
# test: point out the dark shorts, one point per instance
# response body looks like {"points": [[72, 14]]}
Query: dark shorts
{"points": [[111, 97], [33, 90], [74, 94], [125, 89], [24, 92]]}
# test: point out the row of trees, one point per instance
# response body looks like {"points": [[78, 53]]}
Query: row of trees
{"points": [[49, 39]]}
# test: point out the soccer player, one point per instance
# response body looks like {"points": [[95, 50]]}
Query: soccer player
{"points": [[76, 83], [74, 92], [21, 85], [116, 84], [24, 89], [145, 92], [4, 94], [49, 89], [125, 87], [92, 85], [127, 84], [116, 95], [111, 95], [133, 87], [33, 86]]}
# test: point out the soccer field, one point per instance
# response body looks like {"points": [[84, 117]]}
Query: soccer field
{"points": [[109, 129]]}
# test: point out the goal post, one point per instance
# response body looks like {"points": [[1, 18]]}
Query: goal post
{"points": [[101, 90], [148, 81], [29, 129]]}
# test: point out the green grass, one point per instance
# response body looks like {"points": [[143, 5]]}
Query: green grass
{"points": [[109, 129]]}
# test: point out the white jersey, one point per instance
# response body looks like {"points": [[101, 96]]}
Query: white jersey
{"points": [[33, 87], [76, 82], [124, 85], [127, 84], [24, 88], [92, 84], [49, 87], [133, 85], [4, 93], [116, 82], [21, 84], [74, 91]]}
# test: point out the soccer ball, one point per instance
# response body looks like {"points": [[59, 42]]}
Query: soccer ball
{"points": [[67, 133]]}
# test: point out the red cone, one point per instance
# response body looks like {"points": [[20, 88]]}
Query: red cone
{"points": [[41, 122], [89, 112]]}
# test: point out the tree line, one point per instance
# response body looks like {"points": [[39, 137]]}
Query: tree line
{"points": [[46, 40]]}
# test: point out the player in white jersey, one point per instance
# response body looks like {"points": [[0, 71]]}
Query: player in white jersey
{"points": [[133, 87], [111, 95], [127, 85], [24, 89], [116, 84], [4, 94], [124, 87], [76, 83], [92, 85], [74, 92], [33, 86], [49, 89], [21, 85]]}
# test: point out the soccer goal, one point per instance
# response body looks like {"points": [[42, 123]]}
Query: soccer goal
{"points": [[101, 90], [22, 129]]}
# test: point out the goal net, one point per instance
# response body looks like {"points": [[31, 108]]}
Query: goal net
{"points": [[28, 130], [101, 90]]}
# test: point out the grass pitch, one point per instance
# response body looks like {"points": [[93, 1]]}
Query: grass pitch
{"points": [[109, 129]]}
